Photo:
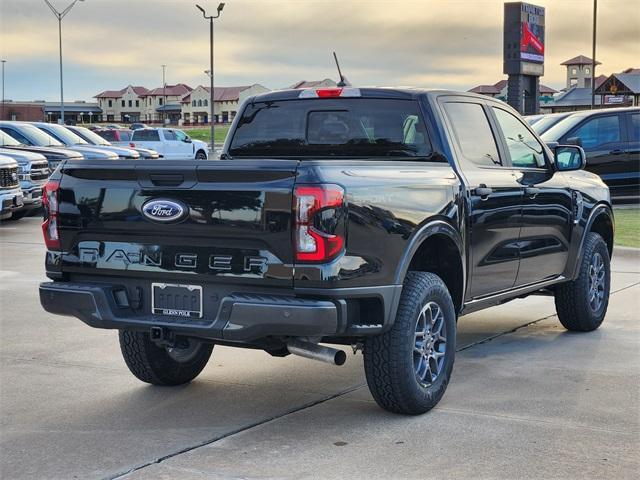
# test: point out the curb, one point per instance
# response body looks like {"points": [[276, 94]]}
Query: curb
{"points": [[627, 253]]}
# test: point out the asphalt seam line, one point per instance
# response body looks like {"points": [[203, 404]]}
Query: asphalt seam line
{"points": [[317, 402]]}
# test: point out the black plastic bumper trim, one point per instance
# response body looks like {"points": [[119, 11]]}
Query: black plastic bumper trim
{"points": [[241, 317]]}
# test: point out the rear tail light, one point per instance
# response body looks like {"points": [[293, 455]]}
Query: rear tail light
{"points": [[132, 145], [50, 202], [318, 232]]}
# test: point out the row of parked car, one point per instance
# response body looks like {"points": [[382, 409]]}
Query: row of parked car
{"points": [[29, 151], [611, 139]]}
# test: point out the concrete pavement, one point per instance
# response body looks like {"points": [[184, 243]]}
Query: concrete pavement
{"points": [[527, 400]]}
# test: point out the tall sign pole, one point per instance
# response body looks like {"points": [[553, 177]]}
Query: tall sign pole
{"points": [[524, 55], [593, 55]]}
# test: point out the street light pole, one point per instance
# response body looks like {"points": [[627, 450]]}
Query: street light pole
{"points": [[211, 85], [164, 94], [60, 16], [3, 62]]}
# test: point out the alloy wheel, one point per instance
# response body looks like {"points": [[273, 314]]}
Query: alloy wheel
{"points": [[430, 344]]}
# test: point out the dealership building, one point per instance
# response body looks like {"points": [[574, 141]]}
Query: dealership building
{"points": [[41, 111]]}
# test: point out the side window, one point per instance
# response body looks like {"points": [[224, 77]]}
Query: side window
{"points": [[146, 136], [473, 133], [634, 119], [125, 136], [108, 135], [17, 135], [170, 135], [598, 131], [180, 135], [524, 148]]}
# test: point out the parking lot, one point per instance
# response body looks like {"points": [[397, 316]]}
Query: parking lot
{"points": [[527, 399]]}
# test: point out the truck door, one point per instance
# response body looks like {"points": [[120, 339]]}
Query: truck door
{"points": [[172, 146], [633, 154], [545, 235], [185, 144], [494, 199], [603, 140]]}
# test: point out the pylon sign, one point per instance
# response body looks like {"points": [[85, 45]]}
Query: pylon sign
{"points": [[524, 51]]}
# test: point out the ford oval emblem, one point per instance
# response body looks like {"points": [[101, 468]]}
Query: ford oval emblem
{"points": [[164, 211]]}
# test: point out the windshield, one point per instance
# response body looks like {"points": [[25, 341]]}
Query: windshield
{"points": [[545, 123], [341, 127], [65, 135], [90, 136], [8, 141], [38, 137], [557, 131]]}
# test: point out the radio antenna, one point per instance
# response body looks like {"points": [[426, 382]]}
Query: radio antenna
{"points": [[343, 81]]}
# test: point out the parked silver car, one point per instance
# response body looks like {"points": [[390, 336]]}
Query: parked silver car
{"points": [[94, 139], [28, 134], [70, 139], [54, 155]]}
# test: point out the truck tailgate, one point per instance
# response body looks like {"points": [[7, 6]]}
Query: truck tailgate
{"points": [[124, 218]]}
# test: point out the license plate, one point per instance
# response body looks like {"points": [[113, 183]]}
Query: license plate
{"points": [[176, 300]]}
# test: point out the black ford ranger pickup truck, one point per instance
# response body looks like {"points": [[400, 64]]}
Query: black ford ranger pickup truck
{"points": [[367, 217]]}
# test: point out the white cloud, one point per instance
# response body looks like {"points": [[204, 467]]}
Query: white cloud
{"points": [[453, 44]]}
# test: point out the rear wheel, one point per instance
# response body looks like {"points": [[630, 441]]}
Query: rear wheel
{"points": [[582, 303], [408, 368], [160, 365]]}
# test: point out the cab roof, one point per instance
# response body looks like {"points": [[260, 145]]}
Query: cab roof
{"points": [[399, 93]]}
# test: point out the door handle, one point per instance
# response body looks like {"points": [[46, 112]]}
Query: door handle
{"points": [[616, 151], [531, 191], [483, 192]]}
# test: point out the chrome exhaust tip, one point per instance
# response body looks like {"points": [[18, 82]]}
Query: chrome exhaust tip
{"points": [[314, 351]]}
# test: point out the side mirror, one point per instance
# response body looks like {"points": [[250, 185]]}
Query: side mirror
{"points": [[569, 158], [187, 140], [574, 141]]}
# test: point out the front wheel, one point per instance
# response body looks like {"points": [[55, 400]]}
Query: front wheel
{"points": [[160, 365], [18, 215], [582, 303], [201, 155], [408, 368]]}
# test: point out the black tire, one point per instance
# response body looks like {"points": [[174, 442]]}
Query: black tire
{"points": [[576, 310], [390, 361], [18, 215], [201, 155], [159, 366]]}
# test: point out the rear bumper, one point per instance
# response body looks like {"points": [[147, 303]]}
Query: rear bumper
{"points": [[241, 317]]}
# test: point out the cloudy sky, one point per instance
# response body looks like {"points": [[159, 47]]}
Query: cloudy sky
{"points": [[108, 44]]}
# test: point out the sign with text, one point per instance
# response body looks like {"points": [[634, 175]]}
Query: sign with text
{"points": [[523, 39]]}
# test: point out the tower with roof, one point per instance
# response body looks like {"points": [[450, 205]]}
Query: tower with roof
{"points": [[579, 71]]}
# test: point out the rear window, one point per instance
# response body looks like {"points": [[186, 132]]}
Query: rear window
{"points": [[355, 127], [146, 136]]}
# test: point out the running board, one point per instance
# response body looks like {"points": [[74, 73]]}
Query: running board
{"points": [[505, 296]]}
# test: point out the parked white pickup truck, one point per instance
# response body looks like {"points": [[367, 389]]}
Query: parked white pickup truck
{"points": [[170, 143]]}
